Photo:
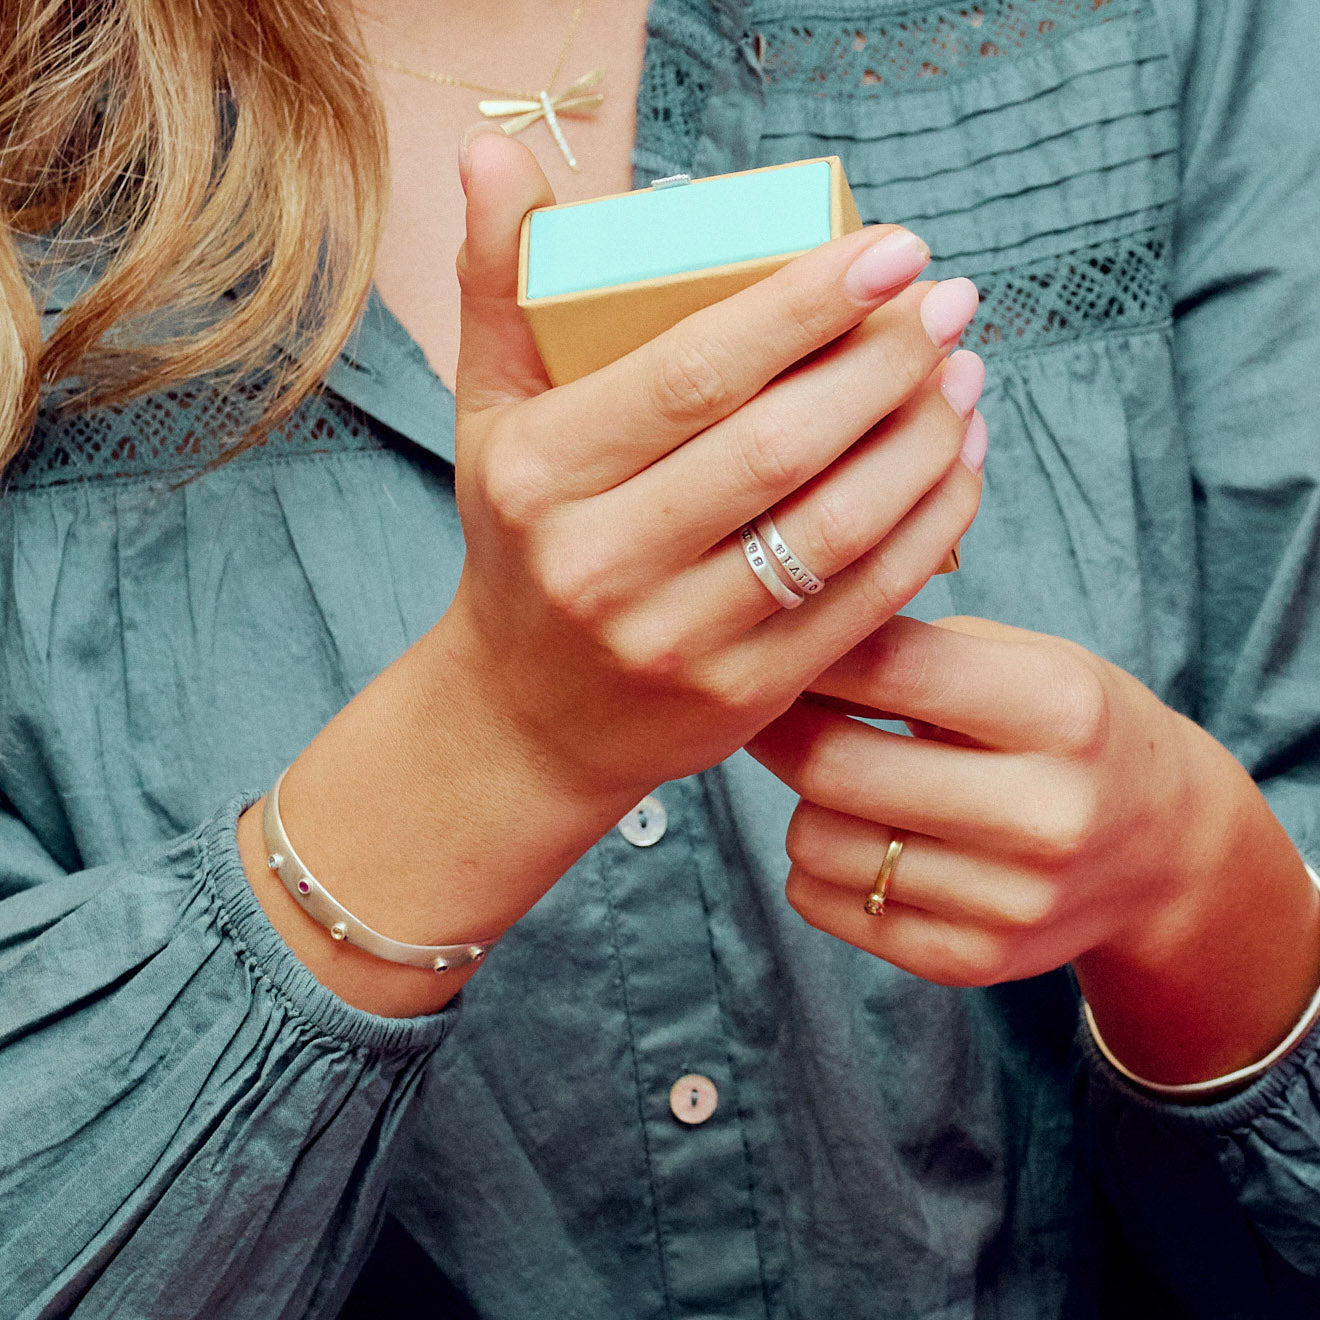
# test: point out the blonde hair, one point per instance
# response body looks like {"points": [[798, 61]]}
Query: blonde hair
{"points": [[221, 166]]}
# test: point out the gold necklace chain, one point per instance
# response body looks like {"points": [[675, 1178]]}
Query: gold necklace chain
{"points": [[522, 109]]}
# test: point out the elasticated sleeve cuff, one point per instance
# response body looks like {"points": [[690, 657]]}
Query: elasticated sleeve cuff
{"points": [[190, 1123]]}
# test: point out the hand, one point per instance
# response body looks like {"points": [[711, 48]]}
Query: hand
{"points": [[607, 633], [1055, 810], [605, 601]]}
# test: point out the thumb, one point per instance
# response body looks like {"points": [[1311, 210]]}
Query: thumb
{"points": [[497, 357]]}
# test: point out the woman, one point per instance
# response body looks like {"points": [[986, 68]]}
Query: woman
{"points": [[666, 1094]]}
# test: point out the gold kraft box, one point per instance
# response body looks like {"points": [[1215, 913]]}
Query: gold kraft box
{"points": [[599, 278]]}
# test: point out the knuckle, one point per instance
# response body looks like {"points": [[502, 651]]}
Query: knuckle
{"points": [[1079, 705], [808, 318], [959, 500], [1030, 907], [647, 654], [838, 531], [739, 690], [822, 772], [947, 433], [806, 308], [577, 588], [805, 842], [511, 485], [904, 351], [767, 454], [798, 891], [688, 387], [969, 504], [980, 958], [463, 267], [910, 369], [1069, 828], [909, 662], [883, 592]]}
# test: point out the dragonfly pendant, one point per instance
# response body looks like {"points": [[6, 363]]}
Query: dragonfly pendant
{"points": [[571, 101]]}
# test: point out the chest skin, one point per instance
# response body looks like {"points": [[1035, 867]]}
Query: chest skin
{"points": [[425, 226]]}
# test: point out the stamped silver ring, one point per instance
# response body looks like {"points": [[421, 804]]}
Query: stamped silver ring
{"points": [[803, 578], [759, 559]]}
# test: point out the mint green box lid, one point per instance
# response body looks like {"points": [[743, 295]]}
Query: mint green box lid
{"points": [[656, 232]]}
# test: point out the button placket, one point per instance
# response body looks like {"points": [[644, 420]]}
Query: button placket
{"points": [[699, 1172]]}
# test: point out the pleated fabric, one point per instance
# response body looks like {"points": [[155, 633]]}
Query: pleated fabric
{"points": [[191, 1126]]}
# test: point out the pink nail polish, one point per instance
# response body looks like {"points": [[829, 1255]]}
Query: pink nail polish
{"points": [[975, 442], [896, 258], [962, 381], [947, 308]]}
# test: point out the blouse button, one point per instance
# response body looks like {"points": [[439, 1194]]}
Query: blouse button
{"points": [[645, 824], [693, 1098]]}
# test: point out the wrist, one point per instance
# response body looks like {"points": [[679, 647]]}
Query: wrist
{"points": [[1216, 975], [458, 701], [426, 815], [1197, 880], [536, 720], [427, 777], [1225, 1084]]}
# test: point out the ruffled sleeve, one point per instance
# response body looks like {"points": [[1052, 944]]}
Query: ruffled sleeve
{"points": [[1221, 1202], [190, 1124]]}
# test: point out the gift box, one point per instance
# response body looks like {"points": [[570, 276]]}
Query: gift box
{"points": [[598, 278]]}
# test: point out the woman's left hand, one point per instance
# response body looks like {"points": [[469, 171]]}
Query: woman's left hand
{"points": [[1053, 810]]}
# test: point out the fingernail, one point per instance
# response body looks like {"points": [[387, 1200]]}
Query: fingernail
{"points": [[897, 257], [947, 308], [975, 442], [962, 381], [464, 159]]}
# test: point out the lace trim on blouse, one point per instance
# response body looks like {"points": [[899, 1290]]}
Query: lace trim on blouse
{"points": [[1032, 143]]}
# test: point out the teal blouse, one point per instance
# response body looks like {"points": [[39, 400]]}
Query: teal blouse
{"points": [[190, 1125]]}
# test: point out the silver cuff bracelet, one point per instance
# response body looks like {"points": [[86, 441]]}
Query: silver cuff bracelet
{"points": [[313, 898]]}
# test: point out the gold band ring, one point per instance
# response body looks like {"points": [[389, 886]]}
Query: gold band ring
{"points": [[875, 902]]}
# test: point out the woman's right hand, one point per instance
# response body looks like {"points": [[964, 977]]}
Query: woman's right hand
{"points": [[607, 633], [606, 600]]}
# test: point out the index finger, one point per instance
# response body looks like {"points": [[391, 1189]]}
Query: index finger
{"points": [[620, 419], [1002, 687]]}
